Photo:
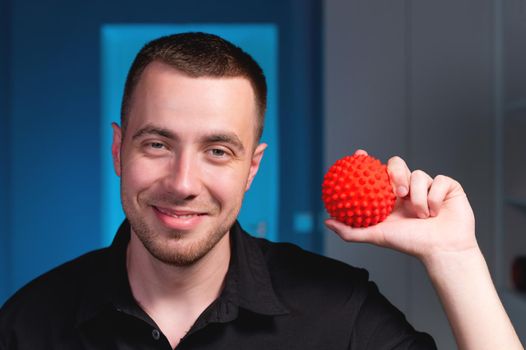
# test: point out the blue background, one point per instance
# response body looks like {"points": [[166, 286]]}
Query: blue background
{"points": [[51, 105]]}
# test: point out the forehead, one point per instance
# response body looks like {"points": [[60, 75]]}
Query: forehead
{"points": [[166, 95]]}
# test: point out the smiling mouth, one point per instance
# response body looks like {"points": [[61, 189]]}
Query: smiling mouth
{"points": [[179, 219], [179, 214]]}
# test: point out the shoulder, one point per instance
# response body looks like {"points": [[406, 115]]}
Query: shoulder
{"points": [[315, 287], [54, 293], [293, 267], [292, 258], [60, 280]]}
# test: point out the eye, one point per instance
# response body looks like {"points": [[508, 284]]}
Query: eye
{"points": [[156, 145], [220, 154], [217, 152], [154, 148]]}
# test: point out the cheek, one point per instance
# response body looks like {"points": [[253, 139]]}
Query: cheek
{"points": [[139, 174], [226, 184]]}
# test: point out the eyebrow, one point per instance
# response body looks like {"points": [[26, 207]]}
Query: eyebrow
{"points": [[222, 137], [154, 130], [229, 138]]}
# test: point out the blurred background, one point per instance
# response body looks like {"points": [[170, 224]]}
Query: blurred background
{"points": [[440, 83]]}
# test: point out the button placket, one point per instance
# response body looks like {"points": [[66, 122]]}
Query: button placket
{"points": [[156, 334]]}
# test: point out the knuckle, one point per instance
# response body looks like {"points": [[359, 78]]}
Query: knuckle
{"points": [[442, 178], [419, 173], [396, 163], [423, 176], [394, 159], [458, 185]]}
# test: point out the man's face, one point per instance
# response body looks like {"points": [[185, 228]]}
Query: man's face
{"points": [[186, 160]]}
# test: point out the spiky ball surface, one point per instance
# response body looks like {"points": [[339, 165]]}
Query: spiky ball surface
{"points": [[356, 191]]}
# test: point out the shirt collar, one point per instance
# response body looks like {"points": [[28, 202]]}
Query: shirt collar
{"points": [[247, 285], [107, 288], [248, 281]]}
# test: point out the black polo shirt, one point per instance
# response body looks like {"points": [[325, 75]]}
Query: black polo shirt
{"points": [[276, 296]]}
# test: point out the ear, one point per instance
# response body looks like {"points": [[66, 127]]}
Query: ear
{"points": [[254, 163], [116, 148]]}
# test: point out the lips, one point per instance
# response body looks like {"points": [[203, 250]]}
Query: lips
{"points": [[178, 219], [177, 213]]}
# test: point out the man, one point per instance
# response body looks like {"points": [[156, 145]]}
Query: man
{"points": [[182, 274]]}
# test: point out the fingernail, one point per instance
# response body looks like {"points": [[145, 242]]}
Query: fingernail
{"points": [[432, 213], [402, 191]]}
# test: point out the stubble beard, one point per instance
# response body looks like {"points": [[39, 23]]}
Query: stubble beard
{"points": [[168, 246]]}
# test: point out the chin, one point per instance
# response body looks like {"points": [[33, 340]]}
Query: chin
{"points": [[178, 250]]}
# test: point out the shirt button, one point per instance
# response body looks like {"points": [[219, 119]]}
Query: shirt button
{"points": [[155, 334]]}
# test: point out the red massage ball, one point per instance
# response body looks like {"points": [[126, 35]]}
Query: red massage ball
{"points": [[356, 191]]}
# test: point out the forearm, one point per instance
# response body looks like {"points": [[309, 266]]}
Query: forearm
{"points": [[467, 293]]}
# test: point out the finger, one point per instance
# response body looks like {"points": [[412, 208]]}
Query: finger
{"points": [[420, 183], [360, 152], [400, 176], [351, 234], [440, 188]]}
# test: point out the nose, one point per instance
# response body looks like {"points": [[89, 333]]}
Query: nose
{"points": [[182, 180]]}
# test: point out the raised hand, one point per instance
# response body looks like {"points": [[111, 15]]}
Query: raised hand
{"points": [[431, 216], [433, 221]]}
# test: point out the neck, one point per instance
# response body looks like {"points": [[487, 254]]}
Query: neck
{"points": [[185, 289]]}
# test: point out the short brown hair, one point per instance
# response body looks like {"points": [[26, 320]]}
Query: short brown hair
{"points": [[198, 55]]}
